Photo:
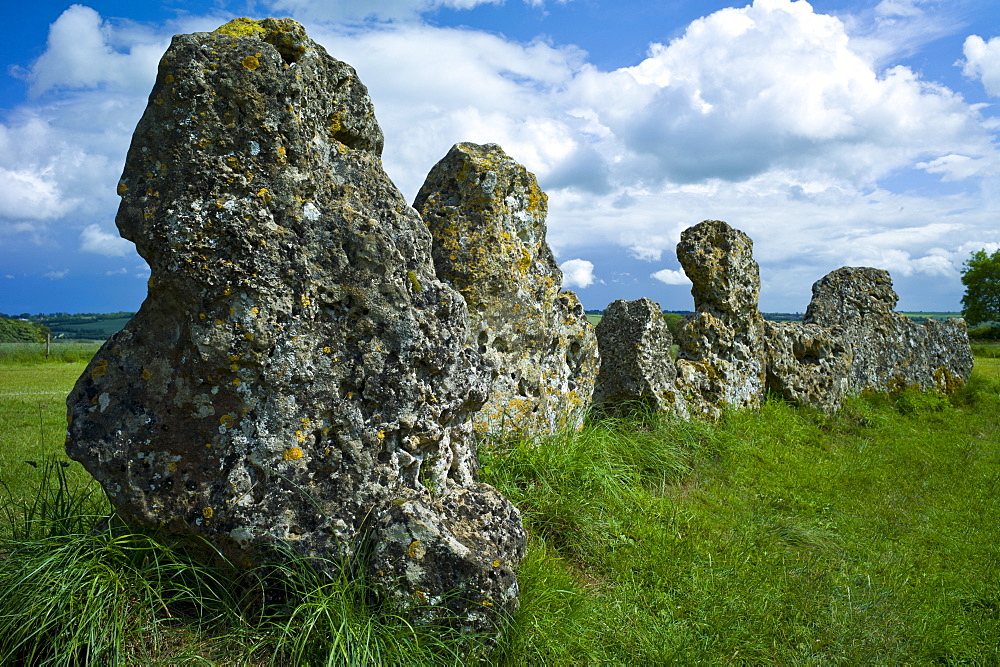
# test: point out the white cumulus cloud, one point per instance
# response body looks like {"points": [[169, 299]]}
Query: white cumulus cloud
{"points": [[982, 61], [772, 86], [94, 239], [577, 273], [671, 277], [80, 54]]}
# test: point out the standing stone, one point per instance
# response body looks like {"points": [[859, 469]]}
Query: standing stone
{"points": [[807, 364], [720, 358], [636, 361], [486, 214], [297, 373], [889, 350], [949, 354]]}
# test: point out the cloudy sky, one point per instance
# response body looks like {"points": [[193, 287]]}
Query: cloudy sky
{"points": [[841, 132]]}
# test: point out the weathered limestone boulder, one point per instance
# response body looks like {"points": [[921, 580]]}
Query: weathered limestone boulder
{"points": [[720, 358], [636, 363], [297, 373], [807, 364], [487, 217], [889, 350], [949, 355]]}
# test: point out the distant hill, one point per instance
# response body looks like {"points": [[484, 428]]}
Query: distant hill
{"points": [[87, 326]]}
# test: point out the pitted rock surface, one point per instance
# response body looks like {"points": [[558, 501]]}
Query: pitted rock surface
{"points": [[450, 558], [636, 363], [720, 358], [486, 214], [807, 364], [296, 367], [889, 350]]}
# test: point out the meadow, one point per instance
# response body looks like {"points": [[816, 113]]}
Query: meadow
{"points": [[773, 536]]}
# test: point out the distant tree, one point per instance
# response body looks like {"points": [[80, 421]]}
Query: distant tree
{"points": [[673, 320], [981, 277], [16, 331]]}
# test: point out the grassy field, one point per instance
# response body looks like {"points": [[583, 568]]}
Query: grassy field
{"points": [[780, 536], [33, 419], [33, 353]]}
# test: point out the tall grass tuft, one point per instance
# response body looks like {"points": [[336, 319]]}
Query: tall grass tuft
{"points": [[73, 594]]}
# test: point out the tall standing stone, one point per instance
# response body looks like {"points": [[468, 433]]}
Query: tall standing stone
{"points": [[487, 216], [720, 358], [297, 373]]}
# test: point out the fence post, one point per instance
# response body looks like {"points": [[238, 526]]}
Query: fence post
{"points": [[48, 345]]}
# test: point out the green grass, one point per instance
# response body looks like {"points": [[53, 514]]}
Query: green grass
{"points": [[775, 537], [781, 536], [986, 349], [33, 420], [72, 596], [60, 352]]}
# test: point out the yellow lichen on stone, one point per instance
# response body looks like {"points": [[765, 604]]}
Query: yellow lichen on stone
{"points": [[251, 63], [242, 27], [293, 453], [99, 370]]}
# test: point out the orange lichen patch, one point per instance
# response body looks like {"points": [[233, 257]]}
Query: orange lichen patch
{"points": [[146, 374], [100, 369], [251, 63], [416, 549], [227, 421], [122, 189], [207, 512], [293, 453]]}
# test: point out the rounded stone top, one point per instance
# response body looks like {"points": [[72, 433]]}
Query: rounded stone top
{"points": [[286, 35], [850, 292], [718, 259]]}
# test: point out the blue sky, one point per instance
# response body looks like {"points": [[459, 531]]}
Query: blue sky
{"points": [[842, 132]]}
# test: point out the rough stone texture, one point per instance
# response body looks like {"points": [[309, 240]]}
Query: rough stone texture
{"points": [[720, 358], [451, 557], [636, 364], [296, 372], [889, 350], [807, 364], [949, 355], [487, 217], [850, 339]]}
